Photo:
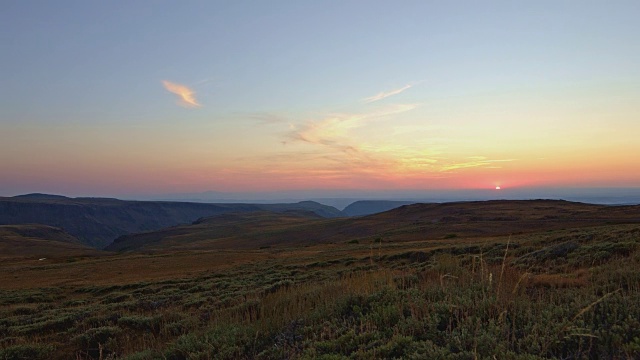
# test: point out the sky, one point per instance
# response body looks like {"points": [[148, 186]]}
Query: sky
{"points": [[131, 98]]}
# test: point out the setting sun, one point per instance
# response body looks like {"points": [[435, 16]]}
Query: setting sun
{"points": [[498, 188]]}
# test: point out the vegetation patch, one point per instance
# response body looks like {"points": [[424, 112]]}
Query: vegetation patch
{"points": [[570, 294]]}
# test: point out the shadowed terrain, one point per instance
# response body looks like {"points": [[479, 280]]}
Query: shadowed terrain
{"points": [[407, 223], [98, 221], [34, 240], [231, 230], [368, 207]]}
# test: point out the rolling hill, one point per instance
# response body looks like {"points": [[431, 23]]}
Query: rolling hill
{"points": [[407, 223], [239, 278], [368, 207], [98, 221], [34, 240], [238, 230]]}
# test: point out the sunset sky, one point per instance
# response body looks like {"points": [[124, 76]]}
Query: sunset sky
{"points": [[116, 98]]}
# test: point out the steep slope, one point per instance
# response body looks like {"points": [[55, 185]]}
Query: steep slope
{"points": [[407, 223], [33, 240], [368, 207], [97, 221]]}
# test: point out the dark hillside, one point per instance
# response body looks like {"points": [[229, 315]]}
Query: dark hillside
{"points": [[255, 227], [407, 223], [368, 207], [97, 221]]}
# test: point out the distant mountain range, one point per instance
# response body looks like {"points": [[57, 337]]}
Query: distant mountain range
{"points": [[96, 222], [342, 198]]}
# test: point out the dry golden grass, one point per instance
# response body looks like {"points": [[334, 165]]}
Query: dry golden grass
{"points": [[477, 297], [578, 278], [119, 269]]}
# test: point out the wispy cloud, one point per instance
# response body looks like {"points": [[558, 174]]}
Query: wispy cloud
{"points": [[332, 130], [475, 161], [335, 150], [341, 151], [185, 94], [385, 94]]}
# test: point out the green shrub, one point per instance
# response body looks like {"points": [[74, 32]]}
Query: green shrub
{"points": [[145, 355], [140, 323], [95, 336], [27, 352]]}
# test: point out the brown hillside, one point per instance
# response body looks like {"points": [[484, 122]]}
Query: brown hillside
{"points": [[407, 223], [36, 241]]}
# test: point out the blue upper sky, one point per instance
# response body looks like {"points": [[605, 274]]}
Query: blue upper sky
{"points": [[429, 89]]}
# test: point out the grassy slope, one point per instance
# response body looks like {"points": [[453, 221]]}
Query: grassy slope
{"points": [[34, 241], [407, 223], [571, 293], [569, 289], [253, 227]]}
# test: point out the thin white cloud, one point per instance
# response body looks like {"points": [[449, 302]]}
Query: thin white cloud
{"points": [[340, 151], [475, 161], [185, 94], [333, 130], [386, 94]]}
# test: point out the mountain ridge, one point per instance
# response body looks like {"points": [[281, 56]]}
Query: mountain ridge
{"points": [[98, 221]]}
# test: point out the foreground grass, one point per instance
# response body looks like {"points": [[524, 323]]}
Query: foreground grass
{"points": [[572, 294]]}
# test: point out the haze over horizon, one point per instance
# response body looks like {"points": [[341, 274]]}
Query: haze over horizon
{"points": [[340, 199], [138, 100]]}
